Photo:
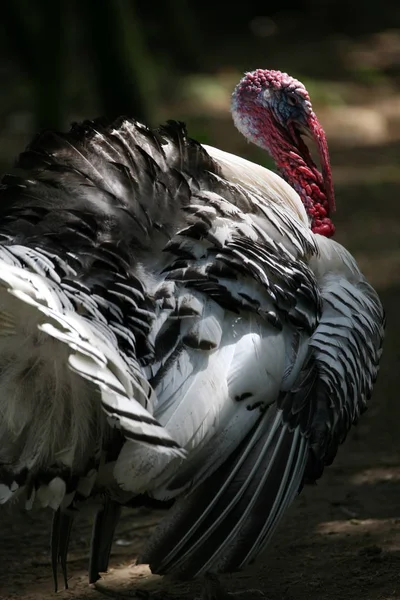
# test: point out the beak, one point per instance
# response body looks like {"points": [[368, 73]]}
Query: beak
{"points": [[314, 130]]}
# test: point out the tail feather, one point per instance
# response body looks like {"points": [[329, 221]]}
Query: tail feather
{"points": [[50, 346], [60, 535], [227, 520], [95, 358], [104, 526]]}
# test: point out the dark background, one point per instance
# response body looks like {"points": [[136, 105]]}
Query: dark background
{"points": [[67, 59], [62, 61]]}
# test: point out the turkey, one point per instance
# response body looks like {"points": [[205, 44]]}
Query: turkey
{"points": [[178, 329]]}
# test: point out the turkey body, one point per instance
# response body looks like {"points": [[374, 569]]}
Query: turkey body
{"points": [[172, 330]]}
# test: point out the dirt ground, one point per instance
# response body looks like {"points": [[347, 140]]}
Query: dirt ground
{"points": [[341, 538]]}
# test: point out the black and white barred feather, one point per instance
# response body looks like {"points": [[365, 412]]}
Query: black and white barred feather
{"points": [[171, 330]]}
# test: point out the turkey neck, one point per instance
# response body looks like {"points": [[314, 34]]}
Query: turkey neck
{"points": [[296, 167]]}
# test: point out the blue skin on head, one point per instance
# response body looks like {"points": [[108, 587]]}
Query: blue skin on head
{"points": [[288, 106]]}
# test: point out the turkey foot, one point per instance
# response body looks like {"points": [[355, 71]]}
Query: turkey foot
{"points": [[214, 590]]}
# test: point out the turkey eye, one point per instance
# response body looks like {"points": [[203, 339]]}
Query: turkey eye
{"points": [[292, 100]]}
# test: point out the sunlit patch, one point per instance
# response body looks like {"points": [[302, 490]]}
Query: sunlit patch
{"points": [[382, 529], [376, 475]]}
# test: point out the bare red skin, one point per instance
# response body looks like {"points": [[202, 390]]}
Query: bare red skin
{"points": [[291, 155]]}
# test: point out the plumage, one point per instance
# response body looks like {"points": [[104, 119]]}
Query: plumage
{"points": [[174, 329]]}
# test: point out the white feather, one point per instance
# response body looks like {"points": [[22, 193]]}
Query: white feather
{"points": [[5, 493], [259, 179], [58, 414], [198, 403]]}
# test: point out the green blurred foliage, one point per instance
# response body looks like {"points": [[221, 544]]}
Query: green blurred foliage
{"points": [[116, 57]]}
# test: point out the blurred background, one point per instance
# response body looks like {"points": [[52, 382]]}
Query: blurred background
{"points": [[66, 60]]}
